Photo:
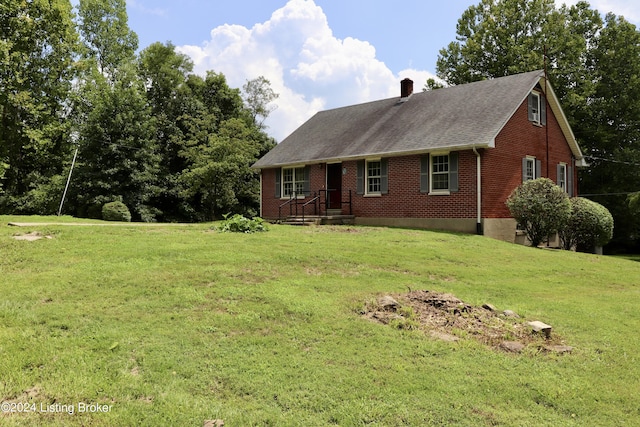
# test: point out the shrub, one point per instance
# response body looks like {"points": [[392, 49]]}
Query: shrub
{"points": [[239, 224], [589, 225], [116, 211], [541, 207]]}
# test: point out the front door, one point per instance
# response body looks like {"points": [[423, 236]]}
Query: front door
{"points": [[334, 185]]}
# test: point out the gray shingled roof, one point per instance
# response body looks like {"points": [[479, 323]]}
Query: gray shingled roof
{"points": [[453, 118]]}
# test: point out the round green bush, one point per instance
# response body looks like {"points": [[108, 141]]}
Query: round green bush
{"points": [[541, 207], [589, 225], [116, 211]]}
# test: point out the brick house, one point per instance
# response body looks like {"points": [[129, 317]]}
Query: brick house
{"points": [[444, 159]]}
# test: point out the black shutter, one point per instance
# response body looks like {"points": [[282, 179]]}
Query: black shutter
{"points": [[384, 176], [543, 110], [570, 180], [453, 172], [360, 177], [307, 181], [538, 168], [278, 184], [424, 174], [524, 169]]}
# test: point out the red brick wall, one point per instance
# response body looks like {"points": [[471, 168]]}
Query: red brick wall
{"points": [[502, 165], [501, 173]]}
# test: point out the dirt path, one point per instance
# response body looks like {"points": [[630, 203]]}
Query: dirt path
{"points": [[99, 224]]}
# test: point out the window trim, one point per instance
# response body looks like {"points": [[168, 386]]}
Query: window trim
{"points": [[433, 172], [535, 112], [537, 168], [367, 190], [562, 177], [296, 181]]}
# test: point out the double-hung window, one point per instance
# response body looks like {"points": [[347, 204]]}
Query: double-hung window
{"points": [[440, 173], [374, 177], [562, 177], [294, 181], [537, 108], [531, 168]]}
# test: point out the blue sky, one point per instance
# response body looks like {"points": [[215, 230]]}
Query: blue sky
{"points": [[318, 54]]}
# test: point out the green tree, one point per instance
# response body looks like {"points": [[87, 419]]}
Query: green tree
{"points": [[220, 173], [540, 207], [105, 31], [117, 157], [594, 67], [179, 117], [258, 98], [38, 42]]}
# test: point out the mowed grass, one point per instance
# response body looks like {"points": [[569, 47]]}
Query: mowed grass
{"points": [[178, 325]]}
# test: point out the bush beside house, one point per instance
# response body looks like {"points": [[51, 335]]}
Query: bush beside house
{"points": [[590, 226], [540, 207]]}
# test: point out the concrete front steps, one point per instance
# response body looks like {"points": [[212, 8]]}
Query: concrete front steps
{"points": [[320, 220]]}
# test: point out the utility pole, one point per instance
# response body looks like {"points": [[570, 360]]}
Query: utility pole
{"points": [[74, 139]]}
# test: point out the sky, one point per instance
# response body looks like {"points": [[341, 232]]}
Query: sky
{"points": [[317, 54]]}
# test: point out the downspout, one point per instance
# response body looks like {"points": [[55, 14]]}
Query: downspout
{"points": [[261, 214], [479, 230]]}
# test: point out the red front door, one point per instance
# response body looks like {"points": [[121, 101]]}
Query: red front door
{"points": [[334, 185]]}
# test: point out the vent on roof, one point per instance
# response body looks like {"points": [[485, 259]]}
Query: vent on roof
{"points": [[406, 88]]}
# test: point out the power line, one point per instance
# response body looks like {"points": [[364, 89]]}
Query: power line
{"points": [[612, 161]]}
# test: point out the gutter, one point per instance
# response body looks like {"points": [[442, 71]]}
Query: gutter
{"points": [[479, 230]]}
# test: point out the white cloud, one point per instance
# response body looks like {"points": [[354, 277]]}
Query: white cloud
{"points": [[307, 65], [627, 8]]}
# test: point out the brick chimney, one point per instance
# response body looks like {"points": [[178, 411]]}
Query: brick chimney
{"points": [[406, 88]]}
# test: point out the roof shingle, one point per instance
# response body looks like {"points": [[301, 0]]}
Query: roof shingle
{"points": [[452, 118]]}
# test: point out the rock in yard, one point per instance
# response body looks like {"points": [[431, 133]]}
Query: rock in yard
{"points": [[388, 303], [538, 326], [512, 346], [489, 307], [560, 349], [511, 313]]}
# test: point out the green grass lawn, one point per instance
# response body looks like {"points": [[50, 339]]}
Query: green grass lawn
{"points": [[178, 325]]}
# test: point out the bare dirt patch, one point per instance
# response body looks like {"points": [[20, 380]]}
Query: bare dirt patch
{"points": [[33, 236], [444, 316]]}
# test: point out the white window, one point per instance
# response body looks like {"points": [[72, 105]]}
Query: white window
{"points": [[529, 169], [535, 107], [440, 173], [294, 182], [562, 177], [374, 177]]}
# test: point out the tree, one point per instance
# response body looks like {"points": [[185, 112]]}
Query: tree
{"points": [[106, 35], [117, 159], [220, 170], [258, 97], [594, 68], [540, 207], [432, 84], [38, 42]]}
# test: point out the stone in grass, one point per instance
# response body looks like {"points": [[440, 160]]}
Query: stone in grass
{"points": [[538, 326], [213, 423], [444, 336], [387, 303], [512, 346], [510, 313], [489, 307], [560, 349]]}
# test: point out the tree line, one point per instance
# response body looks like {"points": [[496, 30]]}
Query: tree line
{"points": [[171, 145], [593, 65]]}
